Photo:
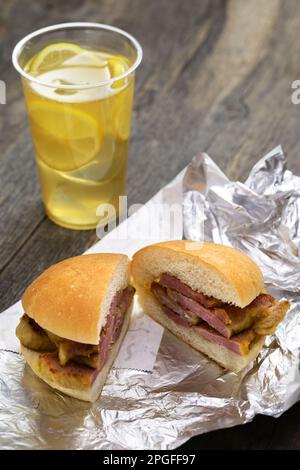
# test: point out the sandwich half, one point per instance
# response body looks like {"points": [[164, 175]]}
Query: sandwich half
{"points": [[76, 315], [210, 296]]}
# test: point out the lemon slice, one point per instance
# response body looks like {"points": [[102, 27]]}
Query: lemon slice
{"points": [[65, 139], [86, 58], [122, 113], [116, 68], [53, 56], [63, 53]]}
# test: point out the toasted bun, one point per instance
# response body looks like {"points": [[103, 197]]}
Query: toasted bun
{"points": [[223, 356], [89, 394], [72, 298], [215, 270]]}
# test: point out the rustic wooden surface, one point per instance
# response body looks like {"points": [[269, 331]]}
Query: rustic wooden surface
{"points": [[216, 76]]}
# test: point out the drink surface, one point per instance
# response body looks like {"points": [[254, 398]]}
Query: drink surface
{"points": [[80, 134]]}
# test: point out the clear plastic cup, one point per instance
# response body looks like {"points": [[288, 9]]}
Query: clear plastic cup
{"points": [[78, 81]]}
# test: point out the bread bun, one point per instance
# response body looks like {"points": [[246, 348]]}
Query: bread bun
{"points": [[90, 392], [223, 356], [215, 270], [72, 298]]}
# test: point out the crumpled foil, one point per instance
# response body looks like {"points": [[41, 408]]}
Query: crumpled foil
{"points": [[186, 394]]}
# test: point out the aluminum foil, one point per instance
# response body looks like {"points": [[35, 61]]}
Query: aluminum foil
{"points": [[186, 394]]}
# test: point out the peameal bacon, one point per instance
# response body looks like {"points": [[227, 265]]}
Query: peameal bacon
{"points": [[232, 327], [68, 352]]}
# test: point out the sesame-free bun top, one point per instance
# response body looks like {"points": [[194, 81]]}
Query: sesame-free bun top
{"points": [[72, 298], [215, 270]]}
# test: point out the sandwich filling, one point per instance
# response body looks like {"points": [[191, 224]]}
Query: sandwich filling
{"points": [[232, 327], [70, 363]]}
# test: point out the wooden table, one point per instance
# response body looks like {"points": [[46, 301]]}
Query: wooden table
{"points": [[216, 76]]}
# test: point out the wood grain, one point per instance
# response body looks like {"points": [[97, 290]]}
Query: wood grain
{"points": [[216, 77]]}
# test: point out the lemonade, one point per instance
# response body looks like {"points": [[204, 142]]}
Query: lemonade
{"points": [[80, 129]]}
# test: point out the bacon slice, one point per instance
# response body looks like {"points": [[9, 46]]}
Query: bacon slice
{"points": [[239, 344], [172, 282], [96, 355], [69, 352], [232, 327], [175, 317], [184, 305], [217, 318], [114, 322], [227, 320], [166, 300], [264, 313]]}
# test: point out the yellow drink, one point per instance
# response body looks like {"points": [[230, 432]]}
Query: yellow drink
{"points": [[80, 134]]}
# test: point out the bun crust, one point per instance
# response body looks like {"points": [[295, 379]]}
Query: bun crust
{"points": [[214, 270], [71, 299], [90, 393], [223, 356]]}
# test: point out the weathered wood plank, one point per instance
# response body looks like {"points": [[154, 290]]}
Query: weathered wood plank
{"points": [[216, 77]]}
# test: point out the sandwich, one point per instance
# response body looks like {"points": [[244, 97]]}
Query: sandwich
{"points": [[210, 296], [76, 314]]}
